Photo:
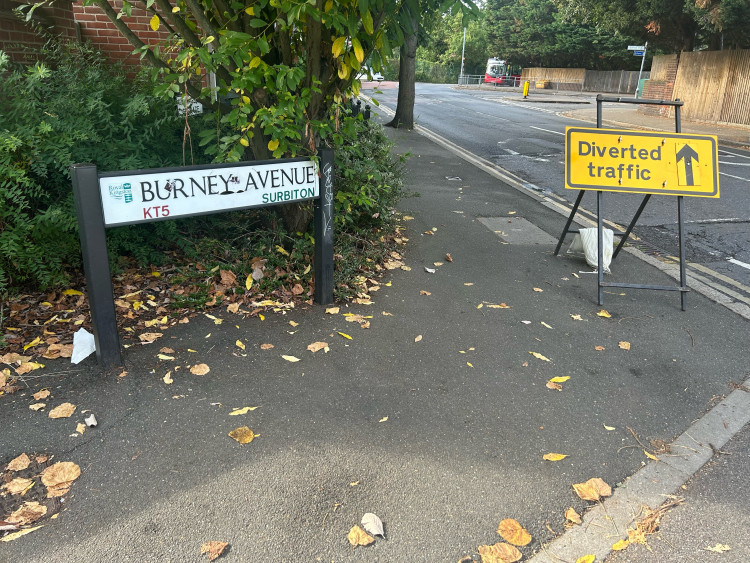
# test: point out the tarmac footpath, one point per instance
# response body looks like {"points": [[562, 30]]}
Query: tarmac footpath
{"points": [[435, 418]]}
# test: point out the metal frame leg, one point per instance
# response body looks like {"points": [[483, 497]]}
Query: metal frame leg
{"points": [[630, 227], [570, 220], [683, 275], [600, 246]]}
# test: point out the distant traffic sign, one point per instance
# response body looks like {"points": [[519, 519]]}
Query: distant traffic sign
{"points": [[636, 47], [641, 162], [638, 53]]}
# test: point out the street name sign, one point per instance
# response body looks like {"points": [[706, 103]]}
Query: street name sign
{"points": [[636, 47], [643, 162], [638, 53], [139, 196]]}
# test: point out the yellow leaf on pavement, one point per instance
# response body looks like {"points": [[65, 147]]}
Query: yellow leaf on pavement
{"points": [[357, 536], [33, 343], [384, 419], [546, 325], [620, 545], [315, 346], [554, 457], [62, 411], [164, 357], [576, 317], [239, 344], [249, 281], [512, 532], [290, 358], [560, 379], [608, 427], [586, 559], [19, 533], [470, 364], [28, 512], [649, 455], [539, 356], [624, 345], [243, 410], [168, 378], [538, 289], [200, 369], [603, 313], [332, 311], [718, 548], [418, 338], [243, 435], [80, 428], [345, 336]]}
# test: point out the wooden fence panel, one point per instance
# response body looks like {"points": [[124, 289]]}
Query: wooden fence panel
{"points": [[562, 75], [612, 81], [736, 104]]}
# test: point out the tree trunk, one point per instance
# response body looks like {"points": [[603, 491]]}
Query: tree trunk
{"points": [[406, 77]]}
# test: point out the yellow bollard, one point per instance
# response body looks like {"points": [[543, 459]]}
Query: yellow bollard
{"points": [[525, 89]]}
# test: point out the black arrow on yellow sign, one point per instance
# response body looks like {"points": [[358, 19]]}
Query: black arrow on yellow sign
{"points": [[687, 154]]}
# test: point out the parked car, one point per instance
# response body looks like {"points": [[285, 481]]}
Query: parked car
{"points": [[368, 74]]}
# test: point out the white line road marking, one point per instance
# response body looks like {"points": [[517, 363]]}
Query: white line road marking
{"points": [[735, 163], [734, 154], [738, 263], [735, 177], [546, 130]]}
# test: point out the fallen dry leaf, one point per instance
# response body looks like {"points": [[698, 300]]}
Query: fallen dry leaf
{"points": [[624, 345], [233, 308], [228, 277], [718, 548], [572, 516], [41, 395], [554, 386], [332, 311], [28, 513], [599, 348], [608, 427], [586, 558], [384, 419], [593, 489], [345, 336], [423, 292], [538, 289], [576, 317], [266, 346], [512, 532], [538, 356], [357, 536], [26, 367], [214, 548], [59, 477], [149, 337], [18, 485], [164, 357], [449, 258], [168, 378], [240, 344], [418, 338], [373, 524], [554, 457], [604, 313], [200, 369], [80, 428], [315, 346], [243, 410], [499, 553], [62, 411], [649, 455], [243, 435], [19, 463], [290, 358]]}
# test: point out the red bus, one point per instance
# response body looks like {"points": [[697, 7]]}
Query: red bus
{"points": [[501, 73]]}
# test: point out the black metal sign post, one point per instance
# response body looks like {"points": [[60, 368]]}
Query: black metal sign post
{"points": [[686, 154], [261, 185], [96, 263]]}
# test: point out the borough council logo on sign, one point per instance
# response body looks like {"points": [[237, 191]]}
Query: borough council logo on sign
{"points": [[641, 162]]}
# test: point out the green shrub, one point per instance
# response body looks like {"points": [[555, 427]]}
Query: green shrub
{"points": [[73, 107]]}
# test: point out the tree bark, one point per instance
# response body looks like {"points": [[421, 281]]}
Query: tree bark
{"points": [[407, 69]]}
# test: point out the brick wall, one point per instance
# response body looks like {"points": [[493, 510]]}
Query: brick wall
{"points": [[96, 27], [18, 38], [661, 84]]}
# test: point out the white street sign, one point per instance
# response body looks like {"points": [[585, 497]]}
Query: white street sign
{"points": [[636, 47], [141, 196]]}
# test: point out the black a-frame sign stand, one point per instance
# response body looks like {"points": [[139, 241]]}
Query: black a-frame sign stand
{"points": [[601, 284]]}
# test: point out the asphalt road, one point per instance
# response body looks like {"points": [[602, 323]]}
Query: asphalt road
{"points": [[527, 139]]}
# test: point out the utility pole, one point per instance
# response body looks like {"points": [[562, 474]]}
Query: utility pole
{"points": [[643, 60], [463, 51]]}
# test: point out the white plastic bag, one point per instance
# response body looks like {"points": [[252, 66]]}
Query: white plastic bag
{"points": [[585, 242], [83, 346]]}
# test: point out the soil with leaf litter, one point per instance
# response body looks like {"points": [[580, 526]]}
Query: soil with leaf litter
{"points": [[37, 492]]}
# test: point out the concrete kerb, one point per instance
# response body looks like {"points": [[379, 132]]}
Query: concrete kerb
{"points": [[657, 481], [652, 485]]}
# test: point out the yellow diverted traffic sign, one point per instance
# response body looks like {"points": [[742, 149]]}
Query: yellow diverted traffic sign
{"points": [[644, 162]]}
